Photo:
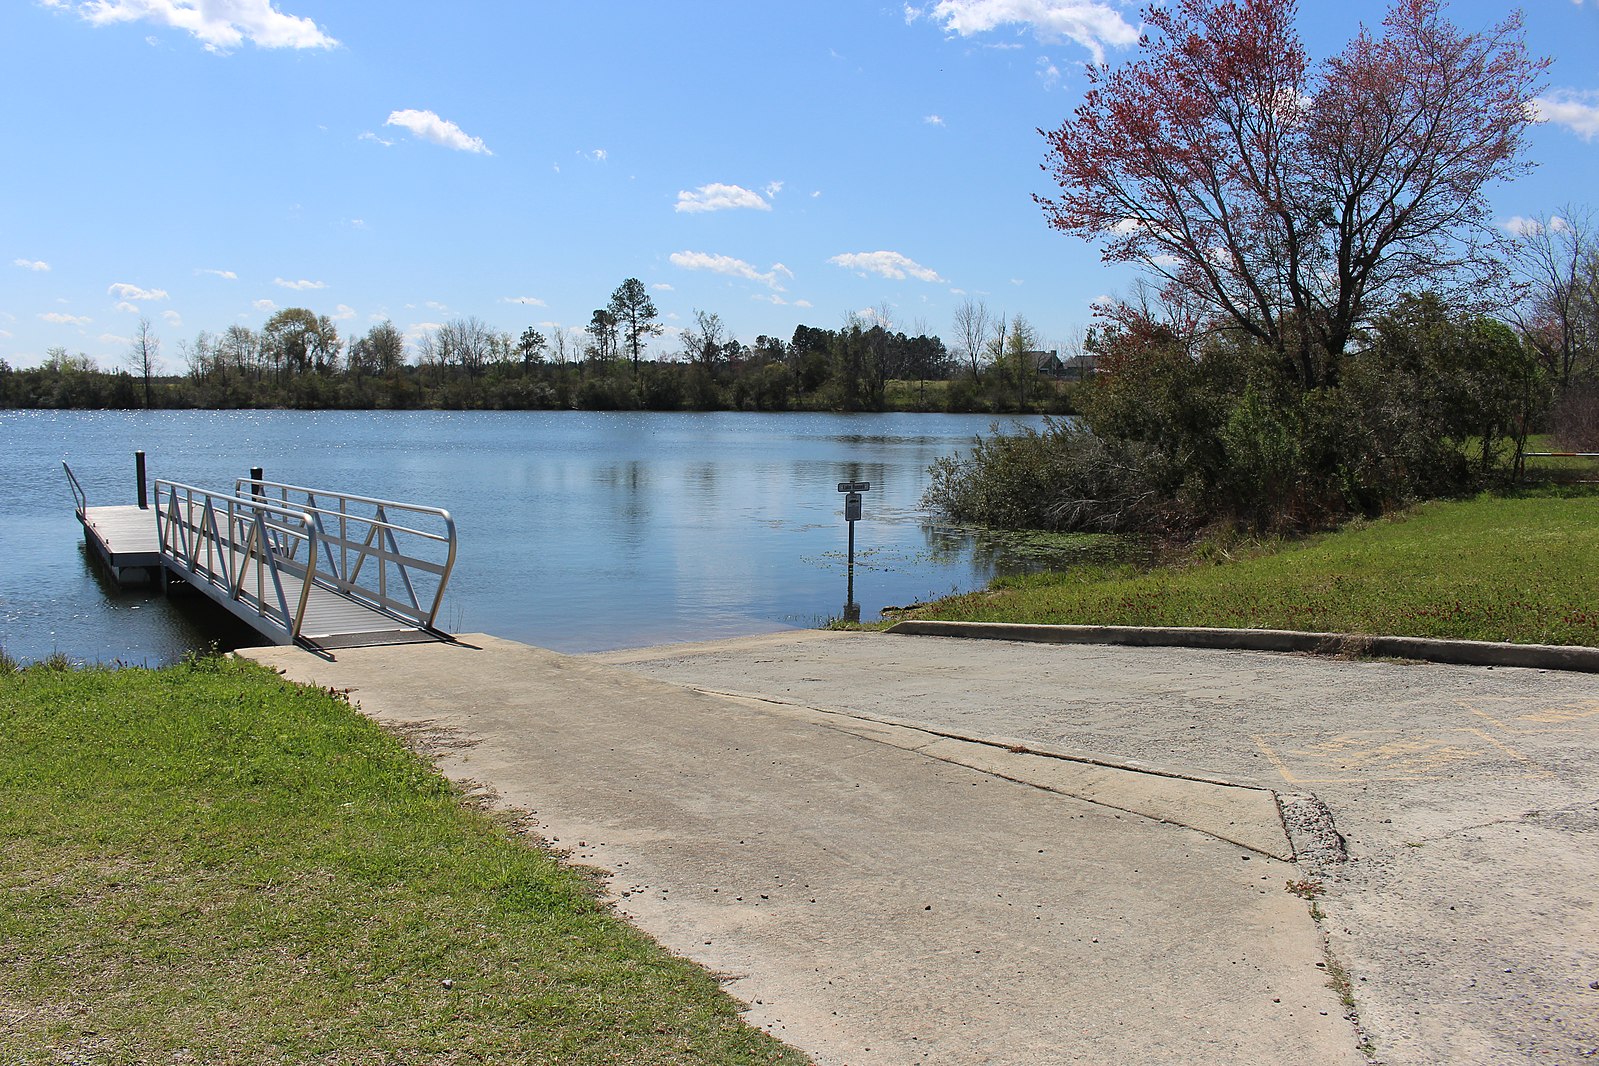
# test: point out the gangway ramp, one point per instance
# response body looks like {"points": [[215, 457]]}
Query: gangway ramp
{"points": [[315, 567]]}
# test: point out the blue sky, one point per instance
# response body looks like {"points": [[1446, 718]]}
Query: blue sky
{"points": [[204, 162]]}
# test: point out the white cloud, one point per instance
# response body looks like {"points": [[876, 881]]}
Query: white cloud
{"points": [[66, 320], [772, 189], [299, 286], [123, 291], [661, 287], [719, 197], [934, 120], [226, 275], [531, 301], [1091, 24], [599, 155], [37, 265], [429, 127], [726, 264], [816, 194], [1576, 110], [1517, 226], [221, 25], [802, 303], [6, 334], [343, 312], [885, 264], [368, 135], [113, 338], [172, 318], [126, 308], [263, 305]]}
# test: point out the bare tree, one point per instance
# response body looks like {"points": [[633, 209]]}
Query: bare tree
{"points": [[201, 357], [239, 351], [971, 333], [1557, 259], [143, 355], [561, 346], [705, 342], [467, 343]]}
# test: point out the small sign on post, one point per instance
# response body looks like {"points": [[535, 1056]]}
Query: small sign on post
{"points": [[852, 513]]}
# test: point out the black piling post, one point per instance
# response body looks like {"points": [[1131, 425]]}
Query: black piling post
{"points": [[255, 481], [138, 473]]}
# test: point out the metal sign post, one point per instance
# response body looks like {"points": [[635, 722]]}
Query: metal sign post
{"points": [[852, 514]]}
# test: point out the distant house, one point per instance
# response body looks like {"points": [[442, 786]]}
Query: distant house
{"points": [[1051, 365], [1046, 363], [1079, 367]]}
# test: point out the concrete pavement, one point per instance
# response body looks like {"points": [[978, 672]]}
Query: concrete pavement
{"points": [[878, 892], [1466, 914]]}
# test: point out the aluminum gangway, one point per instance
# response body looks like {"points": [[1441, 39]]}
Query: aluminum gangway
{"points": [[308, 566]]}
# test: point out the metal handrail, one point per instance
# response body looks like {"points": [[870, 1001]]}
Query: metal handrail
{"points": [[260, 536], [351, 539], [79, 497]]}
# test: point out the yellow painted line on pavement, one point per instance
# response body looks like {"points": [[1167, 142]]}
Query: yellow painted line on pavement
{"points": [[1564, 718], [1386, 755]]}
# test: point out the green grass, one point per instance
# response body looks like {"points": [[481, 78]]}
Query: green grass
{"points": [[1522, 567], [206, 863]]}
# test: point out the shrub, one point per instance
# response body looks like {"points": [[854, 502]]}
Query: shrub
{"points": [[1179, 434]]}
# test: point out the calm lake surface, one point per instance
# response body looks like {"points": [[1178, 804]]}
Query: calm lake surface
{"points": [[579, 531]]}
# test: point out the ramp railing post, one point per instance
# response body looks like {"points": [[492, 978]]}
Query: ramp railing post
{"points": [[138, 473]]}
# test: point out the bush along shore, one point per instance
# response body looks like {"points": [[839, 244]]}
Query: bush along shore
{"points": [[205, 863]]}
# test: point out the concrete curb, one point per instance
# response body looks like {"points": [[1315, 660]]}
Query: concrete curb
{"points": [[1454, 652]]}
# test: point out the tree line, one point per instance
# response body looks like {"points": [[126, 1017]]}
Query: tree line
{"points": [[298, 359]]}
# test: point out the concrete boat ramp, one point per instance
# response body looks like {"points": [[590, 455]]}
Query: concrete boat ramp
{"points": [[881, 893], [921, 849]]}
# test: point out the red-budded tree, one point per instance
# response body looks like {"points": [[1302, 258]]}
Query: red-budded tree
{"points": [[1294, 200]]}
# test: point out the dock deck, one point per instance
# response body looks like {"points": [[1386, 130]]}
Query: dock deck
{"points": [[124, 538]]}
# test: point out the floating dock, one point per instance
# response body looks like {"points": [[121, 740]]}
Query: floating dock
{"points": [[318, 568], [124, 538]]}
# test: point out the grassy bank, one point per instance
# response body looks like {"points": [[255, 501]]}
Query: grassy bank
{"points": [[1521, 568], [208, 864]]}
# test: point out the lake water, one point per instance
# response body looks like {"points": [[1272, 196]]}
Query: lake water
{"points": [[579, 531]]}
